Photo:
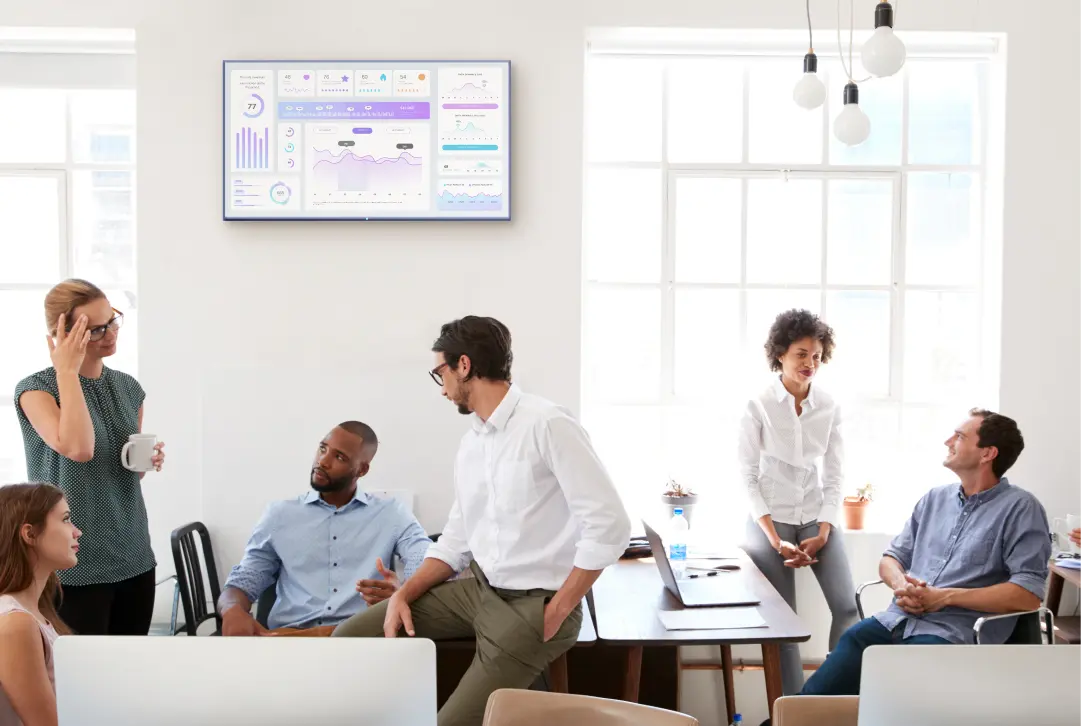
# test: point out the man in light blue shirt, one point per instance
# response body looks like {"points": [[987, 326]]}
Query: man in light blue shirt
{"points": [[976, 548], [324, 551]]}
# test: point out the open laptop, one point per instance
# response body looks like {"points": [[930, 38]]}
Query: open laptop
{"points": [[125, 681], [703, 592], [936, 685]]}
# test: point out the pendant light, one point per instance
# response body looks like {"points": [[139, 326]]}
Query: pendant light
{"points": [[810, 91], [852, 127], [884, 53]]}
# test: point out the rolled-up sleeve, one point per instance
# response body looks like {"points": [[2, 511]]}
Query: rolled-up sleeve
{"points": [[1027, 547], [412, 543], [750, 455], [591, 495], [903, 545], [833, 472], [260, 565], [452, 547]]}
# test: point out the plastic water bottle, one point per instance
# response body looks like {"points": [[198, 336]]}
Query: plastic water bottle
{"points": [[737, 720], [677, 542]]}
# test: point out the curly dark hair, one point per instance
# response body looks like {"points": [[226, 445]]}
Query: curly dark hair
{"points": [[793, 325], [486, 342], [1002, 433]]}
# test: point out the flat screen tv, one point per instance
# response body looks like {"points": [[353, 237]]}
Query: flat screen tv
{"points": [[366, 140]]}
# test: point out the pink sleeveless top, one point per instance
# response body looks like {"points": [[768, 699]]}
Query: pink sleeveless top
{"points": [[8, 604]]}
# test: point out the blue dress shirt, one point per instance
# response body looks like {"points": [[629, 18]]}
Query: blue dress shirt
{"points": [[999, 535], [316, 553]]}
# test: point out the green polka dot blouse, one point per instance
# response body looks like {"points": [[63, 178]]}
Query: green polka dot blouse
{"points": [[106, 499]]}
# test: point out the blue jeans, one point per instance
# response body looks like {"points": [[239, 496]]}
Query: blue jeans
{"points": [[840, 674]]}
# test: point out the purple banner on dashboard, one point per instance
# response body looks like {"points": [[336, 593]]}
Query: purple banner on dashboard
{"points": [[291, 110]]}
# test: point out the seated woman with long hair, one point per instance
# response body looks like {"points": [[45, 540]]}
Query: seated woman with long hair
{"points": [[37, 538]]}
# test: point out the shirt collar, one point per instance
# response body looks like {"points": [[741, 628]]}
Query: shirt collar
{"points": [[987, 494], [502, 413], [781, 393], [312, 497]]}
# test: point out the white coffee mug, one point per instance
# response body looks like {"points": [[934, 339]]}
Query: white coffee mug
{"points": [[137, 453], [1062, 527]]}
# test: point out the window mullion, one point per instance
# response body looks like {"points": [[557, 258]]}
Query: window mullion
{"points": [[67, 209], [667, 384]]}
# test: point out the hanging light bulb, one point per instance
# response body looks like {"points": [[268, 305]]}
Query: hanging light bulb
{"points": [[884, 53], [810, 91], [852, 127]]}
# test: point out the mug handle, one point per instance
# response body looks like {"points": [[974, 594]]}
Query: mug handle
{"points": [[124, 456]]}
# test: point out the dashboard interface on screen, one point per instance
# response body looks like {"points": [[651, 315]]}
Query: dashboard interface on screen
{"points": [[366, 140]]}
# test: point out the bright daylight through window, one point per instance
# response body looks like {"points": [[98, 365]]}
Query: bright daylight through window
{"points": [[67, 203], [713, 203]]}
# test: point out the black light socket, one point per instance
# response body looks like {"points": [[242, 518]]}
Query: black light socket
{"points": [[852, 93], [883, 15], [810, 63]]}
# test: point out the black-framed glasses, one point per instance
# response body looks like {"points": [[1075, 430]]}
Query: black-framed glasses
{"points": [[99, 332], [436, 375]]}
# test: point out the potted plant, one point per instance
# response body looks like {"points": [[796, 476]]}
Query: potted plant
{"points": [[677, 495], [855, 508]]}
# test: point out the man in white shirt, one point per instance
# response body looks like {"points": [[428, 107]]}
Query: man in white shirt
{"points": [[535, 517]]}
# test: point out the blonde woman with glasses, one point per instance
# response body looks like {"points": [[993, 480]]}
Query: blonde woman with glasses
{"points": [[75, 417]]}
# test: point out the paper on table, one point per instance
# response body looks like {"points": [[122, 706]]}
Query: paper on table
{"points": [[1069, 564], [713, 553], [711, 618], [708, 564]]}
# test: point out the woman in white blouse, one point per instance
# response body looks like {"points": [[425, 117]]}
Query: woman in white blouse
{"points": [[786, 430]]}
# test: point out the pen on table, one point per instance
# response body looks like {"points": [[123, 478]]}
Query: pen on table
{"points": [[711, 573]]}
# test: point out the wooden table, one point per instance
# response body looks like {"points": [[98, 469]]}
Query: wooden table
{"points": [[629, 594], [1067, 629]]}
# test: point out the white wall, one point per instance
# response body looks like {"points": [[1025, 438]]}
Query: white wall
{"points": [[257, 338]]}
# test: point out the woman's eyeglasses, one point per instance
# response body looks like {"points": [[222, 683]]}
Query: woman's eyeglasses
{"points": [[99, 332]]}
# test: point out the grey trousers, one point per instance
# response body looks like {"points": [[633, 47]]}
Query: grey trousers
{"points": [[508, 626], [834, 577]]}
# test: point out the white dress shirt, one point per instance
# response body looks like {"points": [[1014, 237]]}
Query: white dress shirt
{"points": [[532, 500], [779, 451]]}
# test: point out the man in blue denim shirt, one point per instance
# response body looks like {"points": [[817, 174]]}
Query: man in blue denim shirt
{"points": [[324, 551], [968, 550]]}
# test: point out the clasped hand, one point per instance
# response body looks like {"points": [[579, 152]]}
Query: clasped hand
{"points": [[916, 597]]}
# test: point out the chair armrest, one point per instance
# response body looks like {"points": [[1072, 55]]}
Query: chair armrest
{"points": [[1044, 613], [859, 595], [816, 711]]}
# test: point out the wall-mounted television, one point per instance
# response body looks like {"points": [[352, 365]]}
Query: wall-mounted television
{"points": [[366, 140]]}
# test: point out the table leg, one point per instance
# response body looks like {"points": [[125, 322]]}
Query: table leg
{"points": [[1054, 592], [729, 683], [557, 670], [632, 676], [771, 661]]}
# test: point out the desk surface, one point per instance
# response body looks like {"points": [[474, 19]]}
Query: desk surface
{"points": [[1069, 575], [629, 594]]}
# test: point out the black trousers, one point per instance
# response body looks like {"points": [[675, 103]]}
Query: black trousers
{"points": [[116, 608]]}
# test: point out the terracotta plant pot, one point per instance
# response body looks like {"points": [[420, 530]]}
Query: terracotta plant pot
{"points": [[670, 503], [855, 509]]}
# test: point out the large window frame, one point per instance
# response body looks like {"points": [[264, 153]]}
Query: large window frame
{"points": [[986, 287], [71, 63]]}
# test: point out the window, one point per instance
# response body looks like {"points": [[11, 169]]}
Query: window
{"points": [[67, 209], [712, 203]]}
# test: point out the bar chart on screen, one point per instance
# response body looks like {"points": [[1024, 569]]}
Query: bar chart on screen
{"points": [[252, 148]]}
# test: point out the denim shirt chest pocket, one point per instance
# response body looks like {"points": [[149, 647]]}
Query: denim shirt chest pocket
{"points": [[976, 544]]}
